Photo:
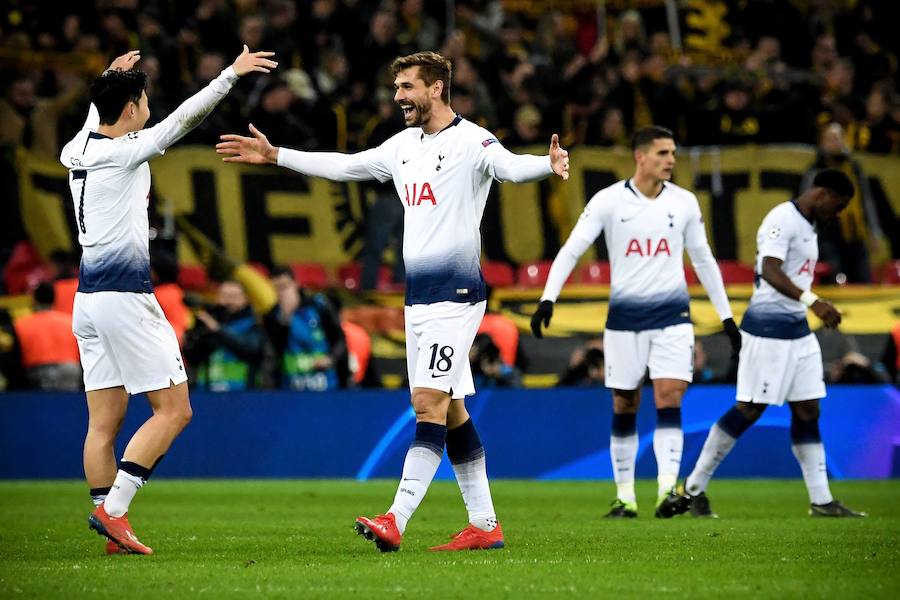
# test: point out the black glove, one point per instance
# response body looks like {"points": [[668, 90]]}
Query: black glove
{"points": [[543, 313], [734, 336]]}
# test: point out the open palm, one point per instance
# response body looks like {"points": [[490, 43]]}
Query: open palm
{"points": [[254, 150]]}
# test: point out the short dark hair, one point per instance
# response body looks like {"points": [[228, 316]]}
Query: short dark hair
{"points": [[282, 270], [114, 89], [836, 181], [432, 66], [646, 135], [44, 294]]}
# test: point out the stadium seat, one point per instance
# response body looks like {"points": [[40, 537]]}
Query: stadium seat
{"points": [[259, 268], [690, 276], [533, 274], [823, 269], [890, 273], [736, 272], [311, 275], [498, 274], [594, 273], [349, 275], [193, 278]]}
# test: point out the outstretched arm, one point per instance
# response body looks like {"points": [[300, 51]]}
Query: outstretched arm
{"points": [[520, 168], [256, 150], [192, 111]]}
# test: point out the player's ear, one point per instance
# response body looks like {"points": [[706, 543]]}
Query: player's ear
{"points": [[437, 88]]}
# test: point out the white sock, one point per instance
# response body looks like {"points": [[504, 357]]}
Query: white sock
{"points": [[476, 493], [623, 451], [716, 447], [98, 499], [667, 446], [812, 462], [418, 470], [123, 490]]}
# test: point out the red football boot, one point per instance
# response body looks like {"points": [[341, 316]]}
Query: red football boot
{"points": [[472, 538], [118, 530], [382, 530], [114, 548]]}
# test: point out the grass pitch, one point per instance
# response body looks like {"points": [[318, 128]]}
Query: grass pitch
{"points": [[294, 539]]}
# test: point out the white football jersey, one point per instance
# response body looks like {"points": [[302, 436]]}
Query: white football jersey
{"points": [[785, 234], [646, 239], [443, 181], [110, 183]]}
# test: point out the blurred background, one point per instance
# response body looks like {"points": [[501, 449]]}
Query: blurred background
{"points": [[760, 94]]}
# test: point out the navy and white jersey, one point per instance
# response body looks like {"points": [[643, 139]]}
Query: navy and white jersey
{"points": [[442, 181], [110, 183], [788, 235], [646, 239]]}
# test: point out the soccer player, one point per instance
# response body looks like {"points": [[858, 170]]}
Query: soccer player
{"points": [[127, 346], [780, 359], [442, 166], [649, 223]]}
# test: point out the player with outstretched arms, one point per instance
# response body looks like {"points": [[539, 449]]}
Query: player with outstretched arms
{"points": [[649, 222], [781, 359], [126, 344], [442, 166]]}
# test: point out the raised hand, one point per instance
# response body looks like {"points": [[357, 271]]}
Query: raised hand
{"points": [[254, 150], [126, 61], [559, 158], [248, 62]]}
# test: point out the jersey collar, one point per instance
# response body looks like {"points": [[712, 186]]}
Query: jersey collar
{"points": [[797, 206], [641, 196], [456, 121]]}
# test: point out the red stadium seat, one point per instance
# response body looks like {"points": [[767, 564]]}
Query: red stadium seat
{"points": [[192, 278], [594, 273], [736, 272], [498, 274], [259, 268], [349, 275], [689, 275], [823, 269], [533, 274], [311, 275], [890, 273]]}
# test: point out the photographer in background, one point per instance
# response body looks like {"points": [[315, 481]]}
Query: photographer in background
{"points": [[306, 333], [226, 347]]}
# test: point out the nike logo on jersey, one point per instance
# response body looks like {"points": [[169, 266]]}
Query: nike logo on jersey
{"points": [[624, 220], [404, 161], [433, 376]]}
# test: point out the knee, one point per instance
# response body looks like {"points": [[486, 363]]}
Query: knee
{"points": [[104, 432], [751, 412], [669, 399], [626, 401], [430, 406], [805, 411], [178, 417]]}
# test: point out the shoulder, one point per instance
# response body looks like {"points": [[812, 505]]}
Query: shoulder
{"points": [[476, 136], [683, 195], [607, 198], [783, 212]]}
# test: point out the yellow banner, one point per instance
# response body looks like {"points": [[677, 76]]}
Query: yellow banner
{"points": [[271, 215]]}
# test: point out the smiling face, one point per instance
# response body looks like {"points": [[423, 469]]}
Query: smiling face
{"points": [[415, 97], [656, 159]]}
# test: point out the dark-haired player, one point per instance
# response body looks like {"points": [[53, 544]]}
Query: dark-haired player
{"points": [[780, 358], [127, 346], [442, 166], [649, 223]]}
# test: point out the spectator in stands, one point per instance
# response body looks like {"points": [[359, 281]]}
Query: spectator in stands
{"points": [[852, 368], [306, 333], [587, 366], [226, 348], [526, 128], [882, 132], [488, 368], [49, 350], [846, 242]]}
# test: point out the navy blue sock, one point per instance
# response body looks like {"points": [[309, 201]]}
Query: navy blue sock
{"points": [[734, 423], [624, 424], [463, 444], [805, 432], [668, 417], [431, 436]]}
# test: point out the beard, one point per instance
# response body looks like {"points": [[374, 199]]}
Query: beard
{"points": [[419, 116]]}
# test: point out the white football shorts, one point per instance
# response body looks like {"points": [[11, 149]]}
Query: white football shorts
{"points": [[772, 370], [668, 352], [438, 339], [125, 340]]}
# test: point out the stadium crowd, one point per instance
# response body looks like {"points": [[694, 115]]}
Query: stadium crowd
{"points": [[755, 71]]}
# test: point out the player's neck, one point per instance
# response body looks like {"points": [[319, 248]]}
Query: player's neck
{"points": [[117, 129], [647, 185], [441, 117]]}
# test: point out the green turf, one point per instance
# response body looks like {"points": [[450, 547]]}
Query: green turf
{"points": [[294, 539]]}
